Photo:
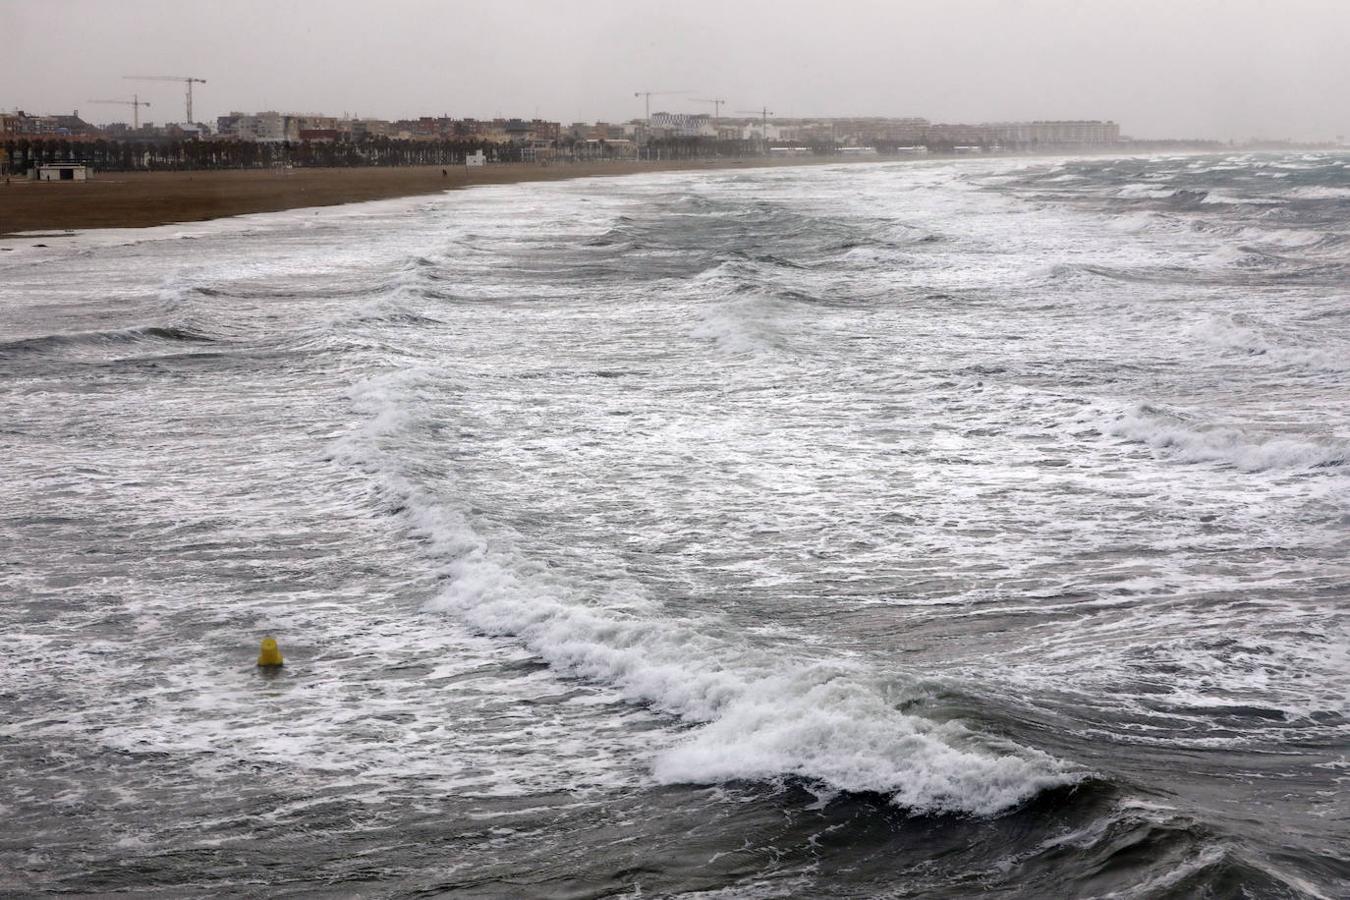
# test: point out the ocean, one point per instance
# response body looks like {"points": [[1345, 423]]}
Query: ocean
{"points": [[919, 529]]}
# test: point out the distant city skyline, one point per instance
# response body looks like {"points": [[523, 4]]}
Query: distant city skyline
{"points": [[696, 134], [1202, 69]]}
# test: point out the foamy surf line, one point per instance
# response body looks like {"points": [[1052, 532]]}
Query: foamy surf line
{"points": [[760, 716], [1177, 439]]}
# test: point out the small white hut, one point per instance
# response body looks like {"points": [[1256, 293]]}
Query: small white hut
{"points": [[63, 172]]}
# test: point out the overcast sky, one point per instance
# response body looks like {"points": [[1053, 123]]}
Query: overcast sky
{"points": [[1161, 68]]}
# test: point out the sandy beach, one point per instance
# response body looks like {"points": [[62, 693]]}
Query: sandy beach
{"points": [[142, 199]]}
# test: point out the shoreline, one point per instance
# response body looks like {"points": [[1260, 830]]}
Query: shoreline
{"points": [[147, 199]]}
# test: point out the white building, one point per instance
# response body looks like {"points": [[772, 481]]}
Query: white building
{"points": [[759, 132], [264, 126], [62, 172], [1066, 133], [683, 124]]}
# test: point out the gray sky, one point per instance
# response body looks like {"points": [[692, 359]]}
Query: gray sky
{"points": [[1161, 68]]}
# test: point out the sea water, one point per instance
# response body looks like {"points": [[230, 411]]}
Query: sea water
{"points": [[908, 529]]}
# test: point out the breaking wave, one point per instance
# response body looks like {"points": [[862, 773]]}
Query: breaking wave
{"points": [[762, 715], [138, 334], [1180, 441], [1231, 335]]}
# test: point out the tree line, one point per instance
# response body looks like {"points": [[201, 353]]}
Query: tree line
{"points": [[114, 155]]}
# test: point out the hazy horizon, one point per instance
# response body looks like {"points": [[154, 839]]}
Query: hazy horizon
{"points": [[1202, 69]]}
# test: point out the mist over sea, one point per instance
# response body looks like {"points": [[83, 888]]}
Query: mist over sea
{"points": [[907, 530]]}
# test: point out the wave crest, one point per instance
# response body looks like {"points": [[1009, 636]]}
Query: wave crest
{"points": [[763, 713], [1188, 443]]}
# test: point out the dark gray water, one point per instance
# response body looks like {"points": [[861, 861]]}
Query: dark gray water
{"points": [[893, 530]]}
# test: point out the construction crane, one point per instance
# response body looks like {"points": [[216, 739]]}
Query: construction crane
{"points": [[186, 79], [135, 103], [647, 99], [717, 109]]}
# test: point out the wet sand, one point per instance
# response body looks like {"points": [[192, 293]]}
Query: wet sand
{"points": [[141, 199]]}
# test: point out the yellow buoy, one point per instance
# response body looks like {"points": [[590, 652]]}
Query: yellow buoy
{"points": [[269, 655]]}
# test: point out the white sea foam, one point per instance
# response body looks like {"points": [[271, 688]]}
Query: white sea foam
{"points": [[828, 725], [763, 715], [870, 488], [1223, 332], [1320, 192], [1144, 192], [1214, 198], [739, 325], [1142, 220], [736, 321], [1281, 237], [1180, 441]]}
